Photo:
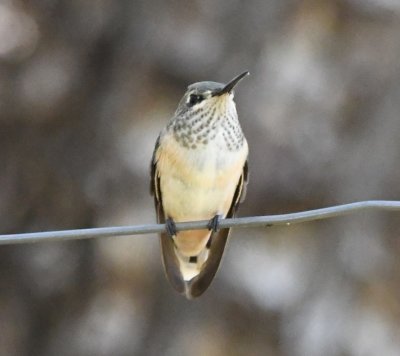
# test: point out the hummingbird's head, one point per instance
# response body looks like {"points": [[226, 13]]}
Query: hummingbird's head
{"points": [[204, 96]]}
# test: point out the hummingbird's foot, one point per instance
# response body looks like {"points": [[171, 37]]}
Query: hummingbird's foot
{"points": [[170, 227], [213, 224]]}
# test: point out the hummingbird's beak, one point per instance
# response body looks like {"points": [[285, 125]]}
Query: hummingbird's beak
{"points": [[229, 87]]}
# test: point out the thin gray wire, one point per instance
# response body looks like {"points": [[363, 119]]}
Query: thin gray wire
{"points": [[251, 221]]}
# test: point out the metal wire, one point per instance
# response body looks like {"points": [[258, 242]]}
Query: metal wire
{"points": [[246, 222]]}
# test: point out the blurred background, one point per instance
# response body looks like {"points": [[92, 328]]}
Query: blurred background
{"points": [[85, 88]]}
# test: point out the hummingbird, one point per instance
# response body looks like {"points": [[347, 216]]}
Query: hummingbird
{"points": [[199, 171]]}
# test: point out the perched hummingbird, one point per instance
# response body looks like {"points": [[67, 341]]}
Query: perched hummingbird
{"points": [[199, 172]]}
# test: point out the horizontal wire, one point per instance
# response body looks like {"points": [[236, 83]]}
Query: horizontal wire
{"points": [[245, 222]]}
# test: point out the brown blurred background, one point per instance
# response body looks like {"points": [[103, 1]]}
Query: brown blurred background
{"points": [[85, 88]]}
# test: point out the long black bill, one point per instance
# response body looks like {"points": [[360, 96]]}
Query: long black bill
{"points": [[228, 87]]}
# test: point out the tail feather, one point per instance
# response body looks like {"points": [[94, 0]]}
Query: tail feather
{"points": [[188, 278], [198, 285], [171, 263]]}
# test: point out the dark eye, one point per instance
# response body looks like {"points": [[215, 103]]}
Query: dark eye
{"points": [[194, 99]]}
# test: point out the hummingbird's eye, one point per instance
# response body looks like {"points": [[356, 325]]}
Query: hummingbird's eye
{"points": [[195, 99]]}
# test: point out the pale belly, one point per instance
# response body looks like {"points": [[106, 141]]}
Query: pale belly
{"points": [[197, 185], [186, 200]]}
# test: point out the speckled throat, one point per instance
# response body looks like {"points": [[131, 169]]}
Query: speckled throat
{"points": [[194, 129]]}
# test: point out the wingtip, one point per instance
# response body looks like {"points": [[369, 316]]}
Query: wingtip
{"points": [[188, 293], [192, 291]]}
